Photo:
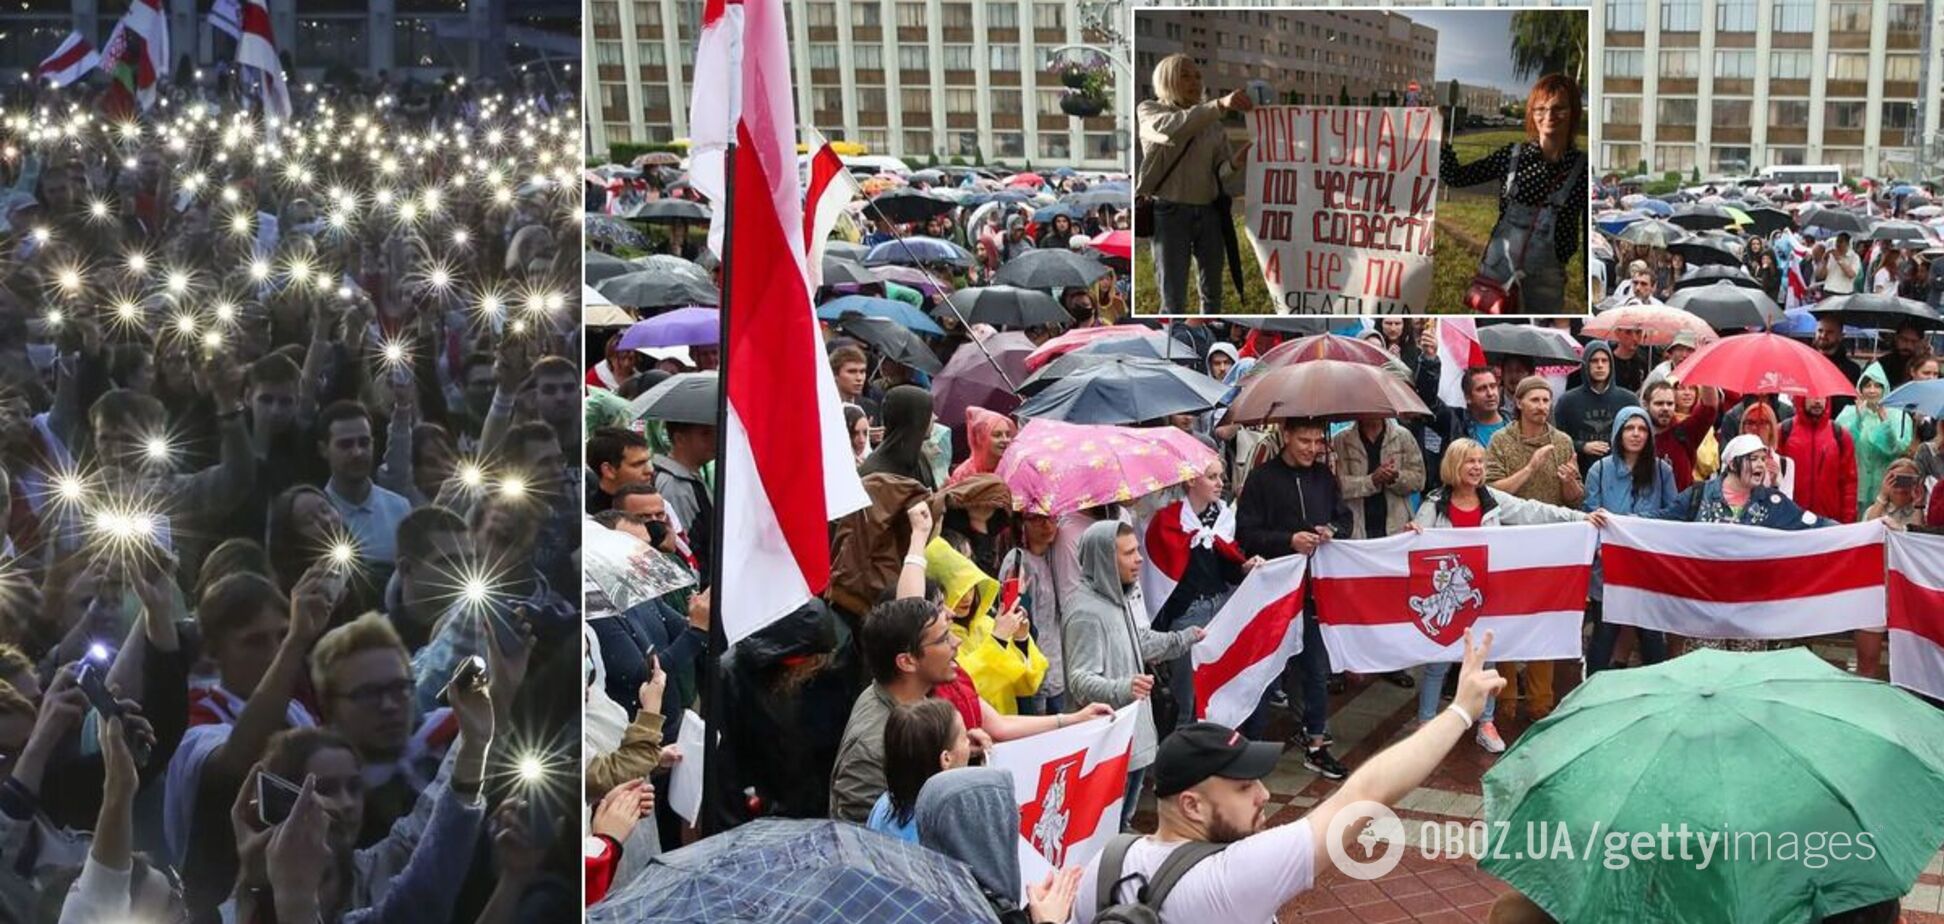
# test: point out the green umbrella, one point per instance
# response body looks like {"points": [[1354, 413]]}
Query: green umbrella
{"points": [[1756, 748]]}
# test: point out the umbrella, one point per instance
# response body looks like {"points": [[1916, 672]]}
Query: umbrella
{"points": [[1284, 324], [911, 251], [1657, 207], [1764, 364], [1079, 337], [1707, 250], [887, 308], [1653, 233], [1010, 196], [1123, 390], [969, 379], [660, 288], [1841, 220], [1904, 189], [847, 250], [682, 327], [796, 871], [1614, 222], [910, 276], [1701, 217], [1767, 219], [1709, 275], [1051, 269], [673, 211], [605, 314], [1692, 745], [613, 232], [658, 159], [1025, 179], [687, 397], [927, 176], [1097, 197], [1726, 306], [1118, 243], [1054, 468], [1149, 345], [1047, 214], [1325, 388], [1926, 398], [908, 205], [1883, 311], [1658, 324], [1539, 344], [598, 266], [838, 271], [1009, 306], [1323, 346], [1898, 231], [895, 341], [1926, 211]]}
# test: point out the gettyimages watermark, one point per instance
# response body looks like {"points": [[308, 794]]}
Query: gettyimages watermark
{"points": [[1382, 840]]}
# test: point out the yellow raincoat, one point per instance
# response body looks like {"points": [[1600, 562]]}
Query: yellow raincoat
{"points": [[1000, 671]]}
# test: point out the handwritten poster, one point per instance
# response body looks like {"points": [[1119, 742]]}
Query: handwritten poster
{"points": [[1342, 206]]}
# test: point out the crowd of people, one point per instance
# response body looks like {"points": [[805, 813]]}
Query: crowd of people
{"points": [[289, 577]]}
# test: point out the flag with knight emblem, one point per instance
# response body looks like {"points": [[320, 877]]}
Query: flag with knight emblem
{"points": [[1389, 604], [1069, 784]]}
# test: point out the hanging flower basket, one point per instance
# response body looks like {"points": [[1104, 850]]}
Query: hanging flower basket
{"points": [[1082, 105]]}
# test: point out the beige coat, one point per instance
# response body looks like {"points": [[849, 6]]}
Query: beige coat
{"points": [[1353, 475], [1204, 170]]}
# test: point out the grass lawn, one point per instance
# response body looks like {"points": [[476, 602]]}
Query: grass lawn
{"points": [[1464, 225]]}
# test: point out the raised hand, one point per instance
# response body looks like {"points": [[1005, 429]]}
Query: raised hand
{"points": [[1476, 682]]}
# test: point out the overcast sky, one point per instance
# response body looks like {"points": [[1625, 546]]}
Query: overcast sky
{"points": [[1474, 45]]}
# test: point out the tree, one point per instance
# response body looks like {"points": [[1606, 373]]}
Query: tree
{"points": [[1549, 42], [1343, 95], [1696, 178]]}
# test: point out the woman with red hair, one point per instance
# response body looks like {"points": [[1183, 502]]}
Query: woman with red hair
{"points": [[1760, 420]]}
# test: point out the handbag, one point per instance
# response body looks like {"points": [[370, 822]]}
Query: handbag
{"points": [[1144, 205]]}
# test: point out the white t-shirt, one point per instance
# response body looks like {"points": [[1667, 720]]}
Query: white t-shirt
{"points": [[1839, 272], [1244, 884], [1885, 284]]}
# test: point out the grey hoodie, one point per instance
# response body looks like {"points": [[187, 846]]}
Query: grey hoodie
{"points": [[969, 815], [1105, 648]]}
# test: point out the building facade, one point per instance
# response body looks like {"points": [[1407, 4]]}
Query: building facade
{"points": [[1482, 100], [1316, 56], [916, 79], [1732, 86]]}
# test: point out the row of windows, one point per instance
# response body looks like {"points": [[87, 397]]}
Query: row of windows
{"points": [[1726, 159], [918, 143], [1783, 65], [1741, 15], [1735, 113]]}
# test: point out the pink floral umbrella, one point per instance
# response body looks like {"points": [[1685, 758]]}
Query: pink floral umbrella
{"points": [[1078, 337], [1054, 468]]}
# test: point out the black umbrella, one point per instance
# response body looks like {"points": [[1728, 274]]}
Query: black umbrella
{"points": [[1726, 306], [1880, 311], [847, 250], [1701, 217], [1836, 220], [895, 341], [613, 232], [657, 288], [1525, 340], [1077, 362], [1095, 198], [927, 176], [1898, 231], [1125, 390], [838, 271], [1151, 345], [1050, 269], [1638, 179], [1284, 324], [598, 266], [908, 205], [671, 211], [1768, 219], [1700, 250], [689, 397], [1709, 275], [1007, 306]]}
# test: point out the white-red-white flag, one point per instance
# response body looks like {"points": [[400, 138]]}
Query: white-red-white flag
{"points": [[1388, 604], [1458, 350], [1168, 537], [831, 187], [135, 57], [715, 105], [70, 62], [257, 48], [1258, 630], [227, 16], [1916, 612], [1725, 580], [789, 469], [1069, 784]]}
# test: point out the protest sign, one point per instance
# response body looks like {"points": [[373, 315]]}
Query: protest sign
{"points": [[1342, 206]]}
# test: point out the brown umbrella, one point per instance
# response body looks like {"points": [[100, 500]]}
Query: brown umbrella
{"points": [[1324, 346], [1328, 389]]}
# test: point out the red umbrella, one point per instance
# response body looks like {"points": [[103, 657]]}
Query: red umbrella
{"points": [[1078, 337], [1328, 389], [1118, 243], [1025, 179], [1764, 364], [1323, 346]]}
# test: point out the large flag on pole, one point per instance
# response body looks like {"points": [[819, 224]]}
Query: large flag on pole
{"points": [[715, 105], [1388, 604], [1458, 350], [70, 62], [1723, 580], [1916, 612], [831, 188], [257, 48], [788, 470], [1258, 630], [1069, 784], [135, 56]]}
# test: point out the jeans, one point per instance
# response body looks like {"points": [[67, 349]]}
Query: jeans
{"points": [[1305, 676], [1184, 231], [1431, 688], [1182, 678], [1133, 798], [1042, 704], [1599, 652]]}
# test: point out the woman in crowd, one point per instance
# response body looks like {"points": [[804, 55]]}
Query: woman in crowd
{"points": [[1189, 172], [1881, 434], [920, 740], [1628, 480]]}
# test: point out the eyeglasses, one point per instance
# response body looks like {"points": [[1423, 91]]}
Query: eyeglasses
{"points": [[1558, 112], [374, 695]]}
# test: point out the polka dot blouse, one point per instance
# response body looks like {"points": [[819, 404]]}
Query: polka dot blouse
{"points": [[1534, 185]]}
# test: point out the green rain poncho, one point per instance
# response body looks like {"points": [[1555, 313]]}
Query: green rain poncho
{"points": [[1878, 441]]}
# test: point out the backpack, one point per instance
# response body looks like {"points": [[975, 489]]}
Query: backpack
{"points": [[1146, 909]]}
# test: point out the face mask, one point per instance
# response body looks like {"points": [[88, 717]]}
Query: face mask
{"points": [[657, 533]]}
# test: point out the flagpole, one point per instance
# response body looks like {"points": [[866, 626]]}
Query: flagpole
{"points": [[713, 810], [947, 296]]}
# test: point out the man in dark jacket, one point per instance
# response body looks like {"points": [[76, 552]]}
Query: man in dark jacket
{"points": [[1482, 414], [1586, 413], [1292, 503], [1829, 339]]}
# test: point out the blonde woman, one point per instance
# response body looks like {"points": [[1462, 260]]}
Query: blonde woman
{"points": [[1189, 169]]}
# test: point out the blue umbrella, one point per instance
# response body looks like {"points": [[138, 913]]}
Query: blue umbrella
{"points": [[1014, 196], [886, 308], [1799, 322], [1904, 189], [1926, 398], [1124, 390], [691, 326], [915, 250], [1056, 210], [1619, 223], [1065, 171], [1654, 207], [792, 871]]}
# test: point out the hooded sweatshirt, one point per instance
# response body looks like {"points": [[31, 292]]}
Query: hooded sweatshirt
{"points": [[1878, 441], [979, 426], [907, 426], [1586, 414], [1104, 647], [970, 815], [1002, 670], [1610, 484]]}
